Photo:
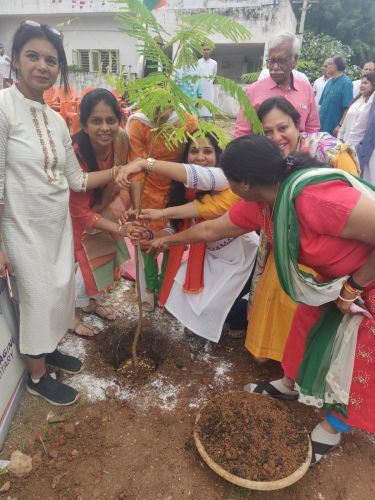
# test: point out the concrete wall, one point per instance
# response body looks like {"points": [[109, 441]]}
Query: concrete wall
{"points": [[91, 25], [262, 18], [94, 27], [97, 31]]}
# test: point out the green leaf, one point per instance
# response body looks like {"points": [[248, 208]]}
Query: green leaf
{"points": [[158, 91], [134, 9], [250, 77], [236, 91]]}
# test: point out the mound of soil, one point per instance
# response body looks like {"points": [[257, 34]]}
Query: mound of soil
{"points": [[252, 436]]}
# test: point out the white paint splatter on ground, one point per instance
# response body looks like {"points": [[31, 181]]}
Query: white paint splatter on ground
{"points": [[221, 372], [74, 346], [159, 391]]}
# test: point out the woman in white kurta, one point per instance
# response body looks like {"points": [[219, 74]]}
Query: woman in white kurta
{"points": [[354, 125], [37, 167]]}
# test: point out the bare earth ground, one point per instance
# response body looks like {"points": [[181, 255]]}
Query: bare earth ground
{"points": [[137, 444]]}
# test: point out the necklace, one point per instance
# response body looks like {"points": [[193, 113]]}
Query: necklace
{"points": [[270, 219], [274, 203]]}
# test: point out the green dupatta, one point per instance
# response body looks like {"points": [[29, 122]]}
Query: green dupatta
{"points": [[325, 374]]}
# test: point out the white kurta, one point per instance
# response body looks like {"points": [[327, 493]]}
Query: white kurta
{"points": [[37, 167], [318, 88], [227, 266], [354, 127], [207, 71]]}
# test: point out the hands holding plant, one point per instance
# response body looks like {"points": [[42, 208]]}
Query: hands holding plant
{"points": [[126, 171]]}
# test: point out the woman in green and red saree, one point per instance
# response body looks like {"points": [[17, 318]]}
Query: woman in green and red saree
{"points": [[99, 244], [325, 219]]}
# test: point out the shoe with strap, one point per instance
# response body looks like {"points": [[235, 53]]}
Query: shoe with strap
{"points": [[274, 389]]}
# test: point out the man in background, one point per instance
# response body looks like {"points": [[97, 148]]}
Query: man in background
{"points": [[367, 68], [207, 68], [320, 82], [336, 97], [283, 52]]}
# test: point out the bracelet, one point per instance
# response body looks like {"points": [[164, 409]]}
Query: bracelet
{"points": [[114, 172], [354, 285], [149, 165], [119, 229], [150, 235], [348, 300], [350, 289]]}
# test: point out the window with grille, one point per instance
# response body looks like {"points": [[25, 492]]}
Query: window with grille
{"points": [[97, 60]]}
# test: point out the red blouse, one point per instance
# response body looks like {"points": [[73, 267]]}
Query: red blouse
{"points": [[323, 211]]}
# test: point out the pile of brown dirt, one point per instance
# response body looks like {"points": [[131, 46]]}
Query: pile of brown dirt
{"points": [[252, 436]]}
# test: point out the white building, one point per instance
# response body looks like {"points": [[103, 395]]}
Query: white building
{"points": [[91, 32]]}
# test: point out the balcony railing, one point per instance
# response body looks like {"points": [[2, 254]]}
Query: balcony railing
{"points": [[40, 7]]}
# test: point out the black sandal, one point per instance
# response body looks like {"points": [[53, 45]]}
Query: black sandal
{"points": [[265, 387], [321, 449]]}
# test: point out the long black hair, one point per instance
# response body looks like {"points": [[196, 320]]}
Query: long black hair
{"points": [[256, 160], [88, 103], [26, 32], [177, 192]]}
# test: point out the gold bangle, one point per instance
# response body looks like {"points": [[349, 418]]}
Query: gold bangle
{"points": [[348, 300], [119, 229], [115, 170], [350, 289]]}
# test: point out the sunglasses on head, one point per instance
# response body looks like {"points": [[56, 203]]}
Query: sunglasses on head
{"points": [[51, 29]]}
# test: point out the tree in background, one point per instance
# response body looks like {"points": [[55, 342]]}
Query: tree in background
{"points": [[317, 48], [350, 21]]}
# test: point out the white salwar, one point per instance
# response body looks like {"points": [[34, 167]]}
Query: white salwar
{"points": [[227, 266], [37, 168]]}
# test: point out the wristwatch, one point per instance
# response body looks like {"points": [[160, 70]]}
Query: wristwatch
{"points": [[150, 164]]}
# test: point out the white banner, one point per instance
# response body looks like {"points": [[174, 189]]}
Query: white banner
{"points": [[12, 367]]}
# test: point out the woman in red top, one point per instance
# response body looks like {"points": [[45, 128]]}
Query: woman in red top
{"points": [[96, 215], [336, 238]]}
